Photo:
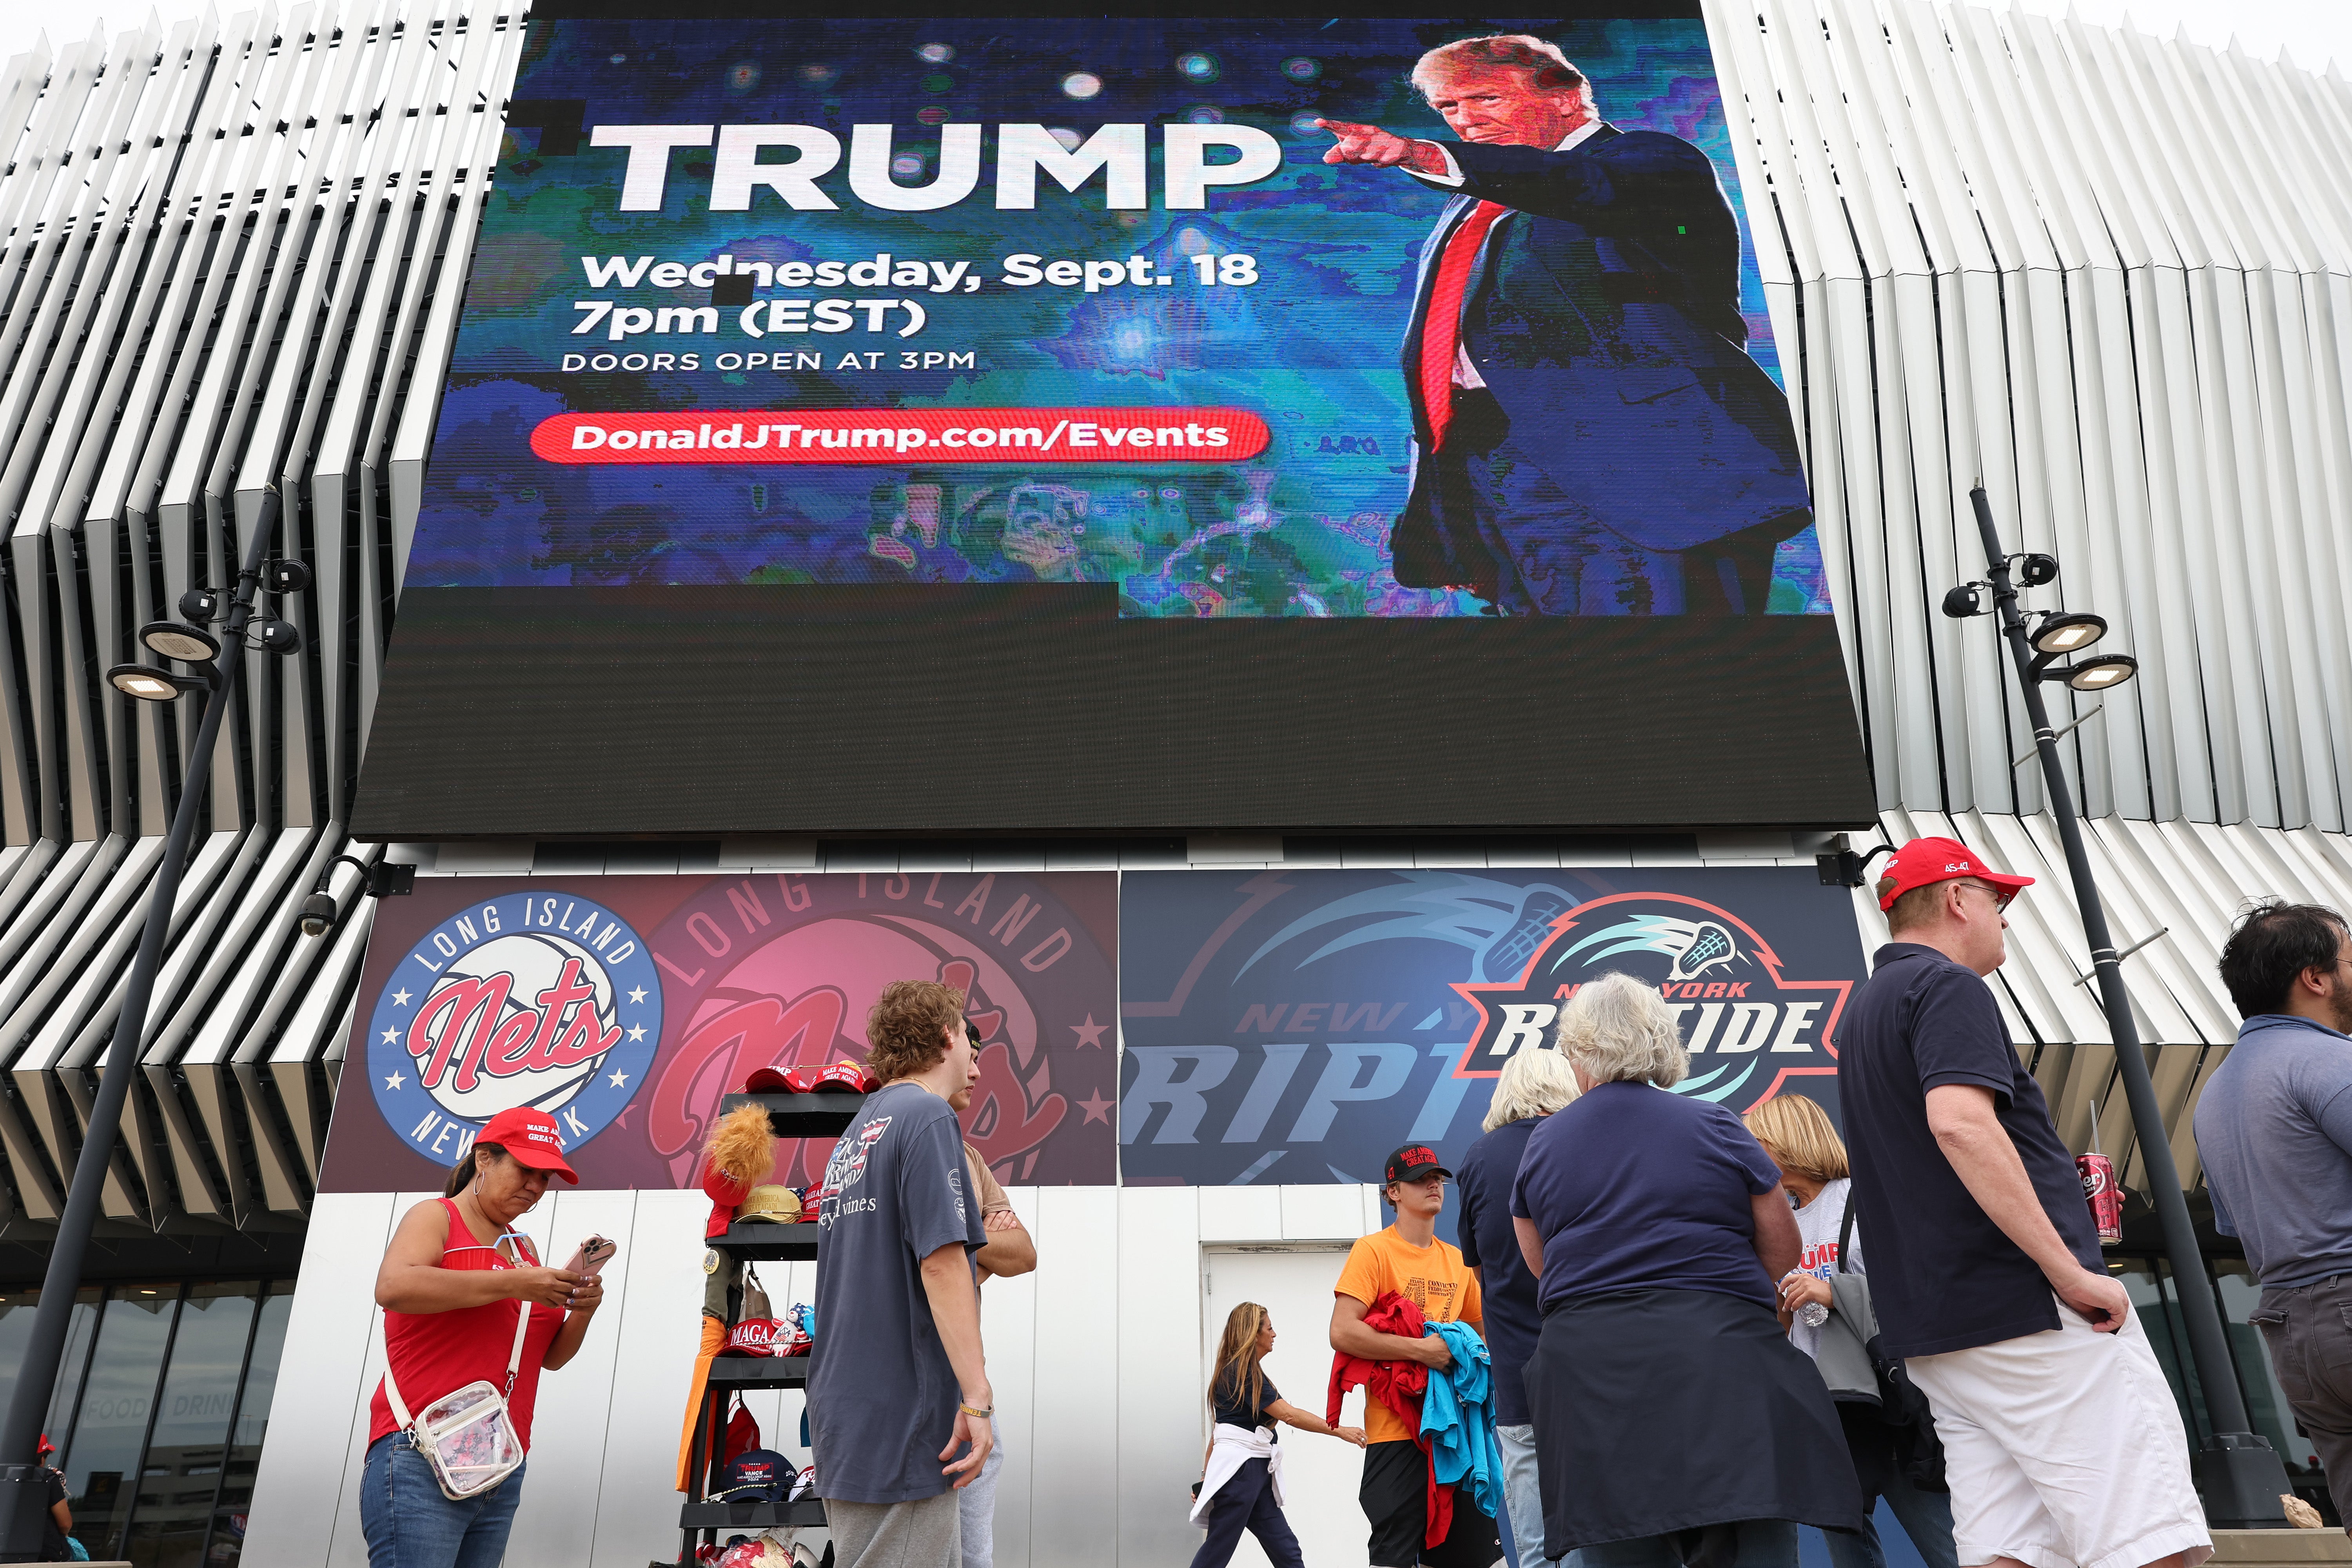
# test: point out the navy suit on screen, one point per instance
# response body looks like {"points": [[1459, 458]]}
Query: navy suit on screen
{"points": [[1627, 455]]}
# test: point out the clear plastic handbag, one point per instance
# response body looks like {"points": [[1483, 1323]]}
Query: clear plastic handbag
{"points": [[467, 1435]]}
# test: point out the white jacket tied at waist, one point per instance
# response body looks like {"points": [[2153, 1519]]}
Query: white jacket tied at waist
{"points": [[1230, 1448]]}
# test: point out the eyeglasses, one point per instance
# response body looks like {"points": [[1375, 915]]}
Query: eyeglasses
{"points": [[2001, 899]]}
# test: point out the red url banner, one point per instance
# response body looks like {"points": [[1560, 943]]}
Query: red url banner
{"points": [[895, 436]]}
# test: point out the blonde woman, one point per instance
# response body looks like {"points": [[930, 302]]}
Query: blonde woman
{"points": [[1241, 1486], [1532, 1085], [1673, 1421], [1797, 1134]]}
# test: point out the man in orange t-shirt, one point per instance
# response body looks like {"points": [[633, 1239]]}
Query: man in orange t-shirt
{"points": [[1408, 1258]]}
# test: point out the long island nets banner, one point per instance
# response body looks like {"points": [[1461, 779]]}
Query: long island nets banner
{"points": [[626, 1007], [1088, 301]]}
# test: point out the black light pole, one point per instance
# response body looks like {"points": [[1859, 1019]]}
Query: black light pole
{"points": [[22, 1499], [2238, 1476]]}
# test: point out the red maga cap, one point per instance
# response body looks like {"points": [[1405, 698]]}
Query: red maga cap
{"points": [[755, 1337], [531, 1137], [1924, 862], [766, 1081]]}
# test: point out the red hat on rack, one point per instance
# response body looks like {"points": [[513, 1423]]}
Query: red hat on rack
{"points": [[530, 1137], [1924, 862], [756, 1337]]}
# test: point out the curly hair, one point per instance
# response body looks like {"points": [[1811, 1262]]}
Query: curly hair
{"points": [[742, 1147], [907, 1031], [1618, 1029]]}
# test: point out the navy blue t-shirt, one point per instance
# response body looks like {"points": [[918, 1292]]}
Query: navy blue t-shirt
{"points": [[1635, 1188], [1942, 1275], [1490, 1246]]}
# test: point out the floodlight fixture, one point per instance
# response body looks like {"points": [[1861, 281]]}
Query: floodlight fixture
{"points": [[285, 577], [276, 637], [200, 604], [1964, 601], [2066, 632], [186, 643], [150, 684], [2034, 570]]}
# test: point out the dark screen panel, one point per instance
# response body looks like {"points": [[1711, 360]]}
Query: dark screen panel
{"points": [[523, 712]]}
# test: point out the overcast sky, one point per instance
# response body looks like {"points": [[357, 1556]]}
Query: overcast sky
{"points": [[2313, 32]]}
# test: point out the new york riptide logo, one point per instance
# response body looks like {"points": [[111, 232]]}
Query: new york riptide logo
{"points": [[1749, 1029], [548, 1000]]}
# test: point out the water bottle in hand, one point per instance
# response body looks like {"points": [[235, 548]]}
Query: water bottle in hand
{"points": [[1812, 1315]]}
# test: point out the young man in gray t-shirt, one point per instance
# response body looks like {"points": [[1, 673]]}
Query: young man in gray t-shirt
{"points": [[898, 1393]]}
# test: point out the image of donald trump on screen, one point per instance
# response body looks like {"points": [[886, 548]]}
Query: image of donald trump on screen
{"points": [[1591, 437]]}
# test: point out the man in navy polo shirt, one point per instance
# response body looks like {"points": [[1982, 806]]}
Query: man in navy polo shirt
{"points": [[2062, 1443], [2275, 1130]]}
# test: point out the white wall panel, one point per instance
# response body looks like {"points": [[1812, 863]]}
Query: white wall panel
{"points": [[307, 1462]]}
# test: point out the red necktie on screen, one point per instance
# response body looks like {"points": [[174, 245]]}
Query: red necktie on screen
{"points": [[1440, 327]]}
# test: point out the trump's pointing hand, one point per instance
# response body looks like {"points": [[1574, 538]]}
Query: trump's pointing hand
{"points": [[1366, 144]]}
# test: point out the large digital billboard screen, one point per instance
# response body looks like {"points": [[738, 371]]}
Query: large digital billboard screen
{"points": [[840, 301], [1273, 319]]}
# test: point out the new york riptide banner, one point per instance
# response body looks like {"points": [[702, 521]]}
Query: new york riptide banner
{"points": [[626, 1006], [1296, 1027]]}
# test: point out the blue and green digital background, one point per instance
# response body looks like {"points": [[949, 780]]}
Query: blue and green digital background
{"points": [[1300, 529]]}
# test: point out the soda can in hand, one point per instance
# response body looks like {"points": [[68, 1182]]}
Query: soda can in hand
{"points": [[2105, 1198]]}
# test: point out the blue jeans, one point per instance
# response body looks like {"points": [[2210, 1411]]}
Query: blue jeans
{"points": [[410, 1525], [1762, 1543], [1523, 1495], [1927, 1518]]}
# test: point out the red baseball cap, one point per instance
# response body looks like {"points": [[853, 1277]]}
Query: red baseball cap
{"points": [[766, 1081], [530, 1136], [1924, 862], [755, 1337]]}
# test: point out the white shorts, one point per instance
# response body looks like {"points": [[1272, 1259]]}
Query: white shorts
{"points": [[2064, 1450]]}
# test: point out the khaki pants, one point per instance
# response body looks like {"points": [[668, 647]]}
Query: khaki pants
{"points": [[925, 1534]]}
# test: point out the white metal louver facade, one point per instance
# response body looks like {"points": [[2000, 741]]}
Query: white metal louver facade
{"points": [[232, 252], [2110, 276]]}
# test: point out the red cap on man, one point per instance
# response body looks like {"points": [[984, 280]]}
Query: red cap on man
{"points": [[1924, 862], [530, 1136]]}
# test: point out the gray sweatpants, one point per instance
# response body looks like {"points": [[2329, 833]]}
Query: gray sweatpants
{"points": [[977, 1505], [895, 1534]]}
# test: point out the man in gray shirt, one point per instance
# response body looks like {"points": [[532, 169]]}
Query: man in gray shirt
{"points": [[2274, 1131], [898, 1385]]}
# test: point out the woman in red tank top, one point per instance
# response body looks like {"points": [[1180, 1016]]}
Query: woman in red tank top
{"points": [[453, 1281]]}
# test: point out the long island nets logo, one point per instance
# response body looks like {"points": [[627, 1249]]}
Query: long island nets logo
{"points": [[1749, 1028], [545, 1000]]}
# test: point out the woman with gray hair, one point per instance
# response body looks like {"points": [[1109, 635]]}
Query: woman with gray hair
{"points": [[1674, 1422], [1532, 1085]]}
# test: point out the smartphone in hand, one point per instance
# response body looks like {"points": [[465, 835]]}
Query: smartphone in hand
{"points": [[589, 1261]]}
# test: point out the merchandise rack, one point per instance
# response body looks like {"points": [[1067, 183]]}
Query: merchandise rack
{"points": [[789, 1116]]}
